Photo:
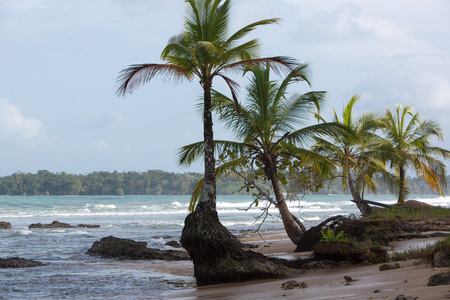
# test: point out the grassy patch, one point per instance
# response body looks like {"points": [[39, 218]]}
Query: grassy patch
{"points": [[425, 253], [411, 213]]}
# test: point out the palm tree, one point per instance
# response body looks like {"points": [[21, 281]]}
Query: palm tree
{"points": [[204, 50], [411, 141], [356, 150], [267, 134]]}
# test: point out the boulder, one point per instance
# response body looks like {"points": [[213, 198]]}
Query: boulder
{"points": [[5, 225], [88, 226], [17, 262], [112, 247], [386, 267], [441, 259], [291, 284], [56, 224], [403, 297], [173, 244], [439, 279]]}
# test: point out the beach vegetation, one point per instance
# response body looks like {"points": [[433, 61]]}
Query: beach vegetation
{"points": [[270, 139], [411, 213], [329, 235], [357, 152], [426, 253], [408, 137], [205, 50], [414, 252]]}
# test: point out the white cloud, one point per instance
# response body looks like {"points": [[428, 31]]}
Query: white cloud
{"points": [[14, 125]]}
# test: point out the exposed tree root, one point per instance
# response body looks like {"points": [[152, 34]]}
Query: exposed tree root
{"points": [[219, 257]]}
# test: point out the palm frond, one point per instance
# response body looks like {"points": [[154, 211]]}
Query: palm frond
{"points": [[247, 29], [135, 76]]}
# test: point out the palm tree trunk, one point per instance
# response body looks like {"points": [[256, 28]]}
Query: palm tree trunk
{"points": [[364, 208], [208, 199], [291, 227], [402, 185]]}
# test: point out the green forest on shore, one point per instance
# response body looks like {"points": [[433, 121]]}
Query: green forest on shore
{"points": [[151, 182]]}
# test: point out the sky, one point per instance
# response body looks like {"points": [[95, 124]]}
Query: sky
{"points": [[59, 61]]}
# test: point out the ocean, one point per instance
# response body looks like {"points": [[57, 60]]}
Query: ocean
{"points": [[71, 274]]}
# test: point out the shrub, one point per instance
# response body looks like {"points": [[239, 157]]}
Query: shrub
{"points": [[329, 236]]}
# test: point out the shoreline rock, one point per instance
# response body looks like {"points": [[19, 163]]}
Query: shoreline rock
{"points": [[18, 262], [5, 225], [56, 224], [112, 247]]}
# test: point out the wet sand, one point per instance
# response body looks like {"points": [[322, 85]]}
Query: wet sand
{"points": [[370, 283]]}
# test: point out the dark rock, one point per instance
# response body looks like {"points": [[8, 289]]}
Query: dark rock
{"points": [[17, 262], [348, 279], [251, 246], [56, 224], [376, 291], [291, 284], [88, 226], [173, 244], [112, 247], [403, 297], [441, 259], [387, 267], [5, 225], [439, 279]]}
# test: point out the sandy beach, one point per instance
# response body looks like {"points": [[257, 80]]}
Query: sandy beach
{"points": [[369, 282]]}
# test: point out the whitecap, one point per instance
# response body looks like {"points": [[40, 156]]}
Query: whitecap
{"points": [[316, 218], [25, 231], [176, 204]]}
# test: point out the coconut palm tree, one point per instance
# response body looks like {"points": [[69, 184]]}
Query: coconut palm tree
{"points": [[410, 138], [356, 150], [269, 134], [205, 50]]}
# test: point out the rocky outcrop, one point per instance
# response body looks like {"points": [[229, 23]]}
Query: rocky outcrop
{"points": [[173, 244], [439, 279], [441, 259], [17, 262], [87, 226], [5, 225], [112, 247], [56, 224]]}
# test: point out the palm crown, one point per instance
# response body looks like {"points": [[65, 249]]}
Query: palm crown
{"points": [[204, 50], [409, 137]]}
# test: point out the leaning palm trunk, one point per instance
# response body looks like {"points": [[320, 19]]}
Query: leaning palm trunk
{"points": [[291, 227], [363, 207]]}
